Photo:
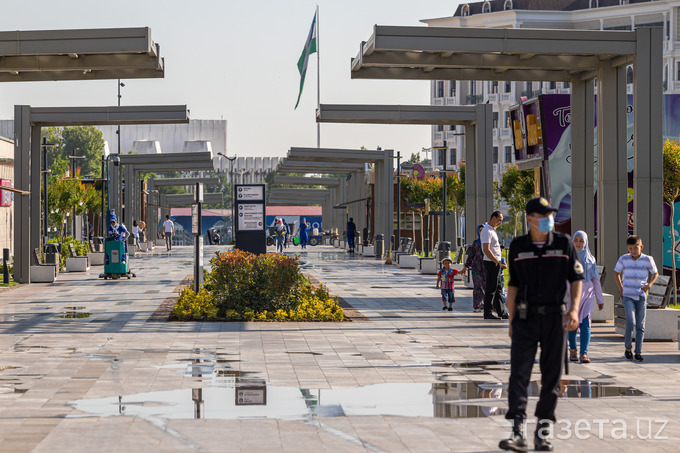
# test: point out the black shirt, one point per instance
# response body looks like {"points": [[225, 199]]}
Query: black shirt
{"points": [[541, 273]]}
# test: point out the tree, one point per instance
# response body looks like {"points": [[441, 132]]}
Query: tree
{"points": [[87, 141], [415, 158], [516, 188], [671, 192]]}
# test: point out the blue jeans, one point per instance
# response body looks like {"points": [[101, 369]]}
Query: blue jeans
{"points": [[584, 328], [447, 295], [635, 317]]}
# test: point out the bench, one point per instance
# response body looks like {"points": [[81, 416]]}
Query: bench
{"points": [[661, 323], [76, 263], [41, 272]]}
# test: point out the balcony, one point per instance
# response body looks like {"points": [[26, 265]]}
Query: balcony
{"points": [[438, 101], [473, 99], [494, 98], [505, 132], [507, 97], [675, 87], [530, 94], [451, 100]]}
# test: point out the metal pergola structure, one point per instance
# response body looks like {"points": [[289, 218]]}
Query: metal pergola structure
{"points": [[477, 120], [384, 174], [176, 200], [28, 122], [576, 56], [336, 194], [152, 214]]}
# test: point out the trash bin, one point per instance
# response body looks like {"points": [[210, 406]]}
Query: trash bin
{"points": [[98, 243], [379, 246], [52, 253], [443, 248], [364, 235]]}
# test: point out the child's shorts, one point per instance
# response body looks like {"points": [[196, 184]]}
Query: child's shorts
{"points": [[447, 296]]}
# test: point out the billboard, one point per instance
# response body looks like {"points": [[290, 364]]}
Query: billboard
{"points": [[6, 197]]}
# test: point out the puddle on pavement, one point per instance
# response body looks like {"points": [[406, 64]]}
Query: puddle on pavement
{"points": [[400, 331], [304, 352], [73, 315], [254, 399]]}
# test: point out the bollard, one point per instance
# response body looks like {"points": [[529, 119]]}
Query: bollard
{"points": [[5, 266], [379, 246]]}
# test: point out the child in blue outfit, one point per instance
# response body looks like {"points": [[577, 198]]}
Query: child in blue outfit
{"points": [[445, 281]]}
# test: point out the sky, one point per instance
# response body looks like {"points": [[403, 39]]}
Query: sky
{"points": [[237, 60]]}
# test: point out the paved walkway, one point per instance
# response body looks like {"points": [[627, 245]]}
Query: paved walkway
{"points": [[408, 377]]}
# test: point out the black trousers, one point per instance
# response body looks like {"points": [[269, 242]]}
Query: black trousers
{"points": [[547, 330], [493, 291]]}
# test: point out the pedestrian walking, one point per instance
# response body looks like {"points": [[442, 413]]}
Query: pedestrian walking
{"points": [[493, 291], [351, 234], [591, 291], [631, 272], [135, 232], [541, 264], [474, 261], [279, 234], [287, 235], [302, 230], [445, 281], [169, 229]]}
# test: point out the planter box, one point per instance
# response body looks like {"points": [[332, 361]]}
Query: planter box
{"points": [[428, 266], [43, 274], [96, 258], [368, 250], [78, 264], [607, 313], [661, 324], [144, 246], [409, 261], [459, 268], [160, 242]]}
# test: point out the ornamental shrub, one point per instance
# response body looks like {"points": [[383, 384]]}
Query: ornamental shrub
{"points": [[195, 307]]}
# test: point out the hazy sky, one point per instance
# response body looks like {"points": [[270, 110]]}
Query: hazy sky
{"points": [[236, 60]]}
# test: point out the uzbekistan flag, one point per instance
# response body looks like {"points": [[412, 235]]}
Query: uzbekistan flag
{"points": [[310, 48]]}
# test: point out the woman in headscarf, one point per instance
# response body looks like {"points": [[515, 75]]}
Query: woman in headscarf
{"points": [[592, 290], [474, 262]]}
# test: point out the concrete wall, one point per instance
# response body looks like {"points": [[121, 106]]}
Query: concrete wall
{"points": [[6, 213]]}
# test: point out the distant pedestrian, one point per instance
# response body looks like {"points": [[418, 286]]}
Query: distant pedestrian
{"points": [[492, 264], [445, 278], [631, 273], [474, 261], [135, 232], [287, 235], [169, 229], [591, 291], [303, 232], [279, 234], [351, 233]]}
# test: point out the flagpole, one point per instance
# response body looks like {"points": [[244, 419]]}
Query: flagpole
{"points": [[318, 79]]}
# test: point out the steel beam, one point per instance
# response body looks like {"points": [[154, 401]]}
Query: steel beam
{"points": [[175, 200]]}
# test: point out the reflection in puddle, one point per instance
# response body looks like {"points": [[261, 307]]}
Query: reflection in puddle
{"points": [[253, 398], [304, 352], [73, 315]]}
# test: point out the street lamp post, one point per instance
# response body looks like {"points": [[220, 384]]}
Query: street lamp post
{"points": [[73, 158], [233, 191], [45, 171], [120, 84]]}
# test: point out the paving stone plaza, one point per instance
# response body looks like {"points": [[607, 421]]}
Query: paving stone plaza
{"points": [[90, 365]]}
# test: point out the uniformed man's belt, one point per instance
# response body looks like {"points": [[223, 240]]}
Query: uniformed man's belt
{"points": [[546, 309]]}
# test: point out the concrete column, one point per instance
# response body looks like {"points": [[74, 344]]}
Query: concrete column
{"points": [[129, 195], [22, 204], [115, 188], [478, 170], [582, 156], [648, 173], [384, 196], [612, 178], [152, 223], [36, 212]]}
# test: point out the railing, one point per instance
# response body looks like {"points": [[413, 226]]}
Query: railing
{"points": [[438, 101], [493, 98], [474, 99], [506, 132], [451, 100], [507, 97], [531, 93]]}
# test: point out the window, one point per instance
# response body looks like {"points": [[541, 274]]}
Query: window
{"points": [[508, 154], [440, 89], [677, 71], [452, 156], [593, 4], [565, 85], [508, 87], [440, 128], [452, 88], [493, 87], [495, 154], [507, 6], [465, 10], [552, 85], [486, 7], [473, 88], [452, 129], [506, 119], [629, 74], [495, 120], [441, 157]]}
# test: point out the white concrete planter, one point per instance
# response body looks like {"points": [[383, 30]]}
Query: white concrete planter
{"points": [[459, 268], [428, 266], [661, 324], [78, 264], [143, 246], [96, 258], [607, 313], [43, 274], [160, 242], [409, 261], [368, 250]]}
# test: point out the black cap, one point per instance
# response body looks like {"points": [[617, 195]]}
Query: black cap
{"points": [[539, 205]]}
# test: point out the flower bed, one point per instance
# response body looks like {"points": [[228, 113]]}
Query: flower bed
{"points": [[246, 287]]}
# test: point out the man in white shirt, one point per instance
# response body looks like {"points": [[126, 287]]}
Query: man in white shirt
{"points": [[492, 265], [169, 229]]}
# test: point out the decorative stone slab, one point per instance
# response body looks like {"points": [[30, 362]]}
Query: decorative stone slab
{"points": [[661, 324], [43, 274], [78, 264], [607, 313], [96, 258]]}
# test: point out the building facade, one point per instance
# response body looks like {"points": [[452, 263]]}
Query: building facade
{"points": [[447, 141]]}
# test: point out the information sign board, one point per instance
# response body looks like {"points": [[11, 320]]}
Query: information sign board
{"points": [[250, 193]]}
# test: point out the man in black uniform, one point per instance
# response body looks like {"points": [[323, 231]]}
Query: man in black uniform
{"points": [[541, 264]]}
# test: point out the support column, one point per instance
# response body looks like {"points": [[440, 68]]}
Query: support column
{"points": [[612, 178], [36, 212], [648, 173], [384, 197], [129, 195], [22, 176], [152, 224], [478, 170], [115, 188], [582, 156], [472, 217]]}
